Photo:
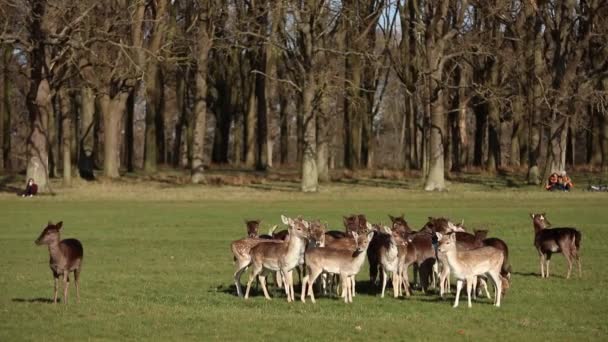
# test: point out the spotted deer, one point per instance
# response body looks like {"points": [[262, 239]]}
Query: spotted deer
{"points": [[346, 263], [467, 265], [66, 256], [241, 251], [555, 240], [279, 256]]}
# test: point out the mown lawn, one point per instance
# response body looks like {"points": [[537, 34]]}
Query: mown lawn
{"points": [[158, 266]]}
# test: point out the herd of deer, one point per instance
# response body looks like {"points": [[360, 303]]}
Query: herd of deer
{"points": [[439, 249]]}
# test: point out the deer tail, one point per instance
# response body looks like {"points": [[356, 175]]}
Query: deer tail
{"points": [[577, 239]]}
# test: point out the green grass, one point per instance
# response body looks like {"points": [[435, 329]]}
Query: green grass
{"points": [[158, 266]]}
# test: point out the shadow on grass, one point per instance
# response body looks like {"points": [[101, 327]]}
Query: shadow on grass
{"points": [[6, 187], [34, 300]]}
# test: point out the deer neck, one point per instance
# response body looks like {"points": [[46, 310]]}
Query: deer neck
{"points": [[538, 227], [55, 252], [295, 247], [392, 250]]}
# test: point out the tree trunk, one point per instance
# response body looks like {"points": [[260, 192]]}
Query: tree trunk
{"points": [[322, 135], [200, 104], [518, 109], [284, 137], [112, 110], [310, 174], [87, 130], [37, 153], [66, 116], [250, 129], [535, 102], [435, 179], [5, 109]]}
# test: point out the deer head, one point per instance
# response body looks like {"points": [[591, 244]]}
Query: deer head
{"points": [[252, 228], [540, 220], [447, 242], [400, 224], [297, 227], [50, 234]]}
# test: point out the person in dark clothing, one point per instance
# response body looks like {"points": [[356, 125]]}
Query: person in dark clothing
{"points": [[31, 189]]}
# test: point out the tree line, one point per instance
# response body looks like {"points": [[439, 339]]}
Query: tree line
{"points": [[436, 86]]}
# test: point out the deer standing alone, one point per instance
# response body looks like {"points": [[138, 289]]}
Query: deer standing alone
{"points": [[555, 240], [468, 264], [65, 257]]}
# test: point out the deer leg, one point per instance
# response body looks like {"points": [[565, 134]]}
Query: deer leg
{"points": [[291, 288], [458, 288], [547, 261], [262, 279], [396, 286], [443, 278], [542, 265], [66, 283], [56, 276], [313, 276], [279, 279], [237, 278], [470, 285], [76, 281], [498, 286], [254, 273], [484, 284], [353, 293], [474, 287], [383, 282]]}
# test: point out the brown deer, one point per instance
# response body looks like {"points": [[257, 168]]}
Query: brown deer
{"points": [[241, 251], [344, 262], [282, 256], [420, 244], [555, 240], [467, 265], [66, 256], [399, 226]]}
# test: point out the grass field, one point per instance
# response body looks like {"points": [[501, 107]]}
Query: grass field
{"points": [[158, 266]]}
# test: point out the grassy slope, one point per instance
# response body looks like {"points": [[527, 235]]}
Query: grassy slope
{"points": [[160, 268]]}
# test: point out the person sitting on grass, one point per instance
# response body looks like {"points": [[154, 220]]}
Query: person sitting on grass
{"points": [[552, 182], [566, 182], [31, 189]]}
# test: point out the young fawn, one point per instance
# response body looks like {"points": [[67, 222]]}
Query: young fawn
{"points": [[66, 256], [466, 265]]}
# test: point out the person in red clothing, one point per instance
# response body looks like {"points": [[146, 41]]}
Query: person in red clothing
{"points": [[31, 189], [552, 183]]}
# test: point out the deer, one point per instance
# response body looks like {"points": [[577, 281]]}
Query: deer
{"points": [[420, 246], [400, 226], [465, 241], [279, 256], [555, 240], [467, 265], [241, 251], [391, 246], [65, 257], [356, 223], [346, 263], [348, 243]]}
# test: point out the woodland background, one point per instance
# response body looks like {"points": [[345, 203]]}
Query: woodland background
{"points": [[427, 88]]}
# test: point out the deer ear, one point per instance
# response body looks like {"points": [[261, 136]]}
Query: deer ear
{"points": [[59, 225], [544, 215], [285, 219], [306, 224], [439, 236], [532, 216], [431, 218], [392, 218]]}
